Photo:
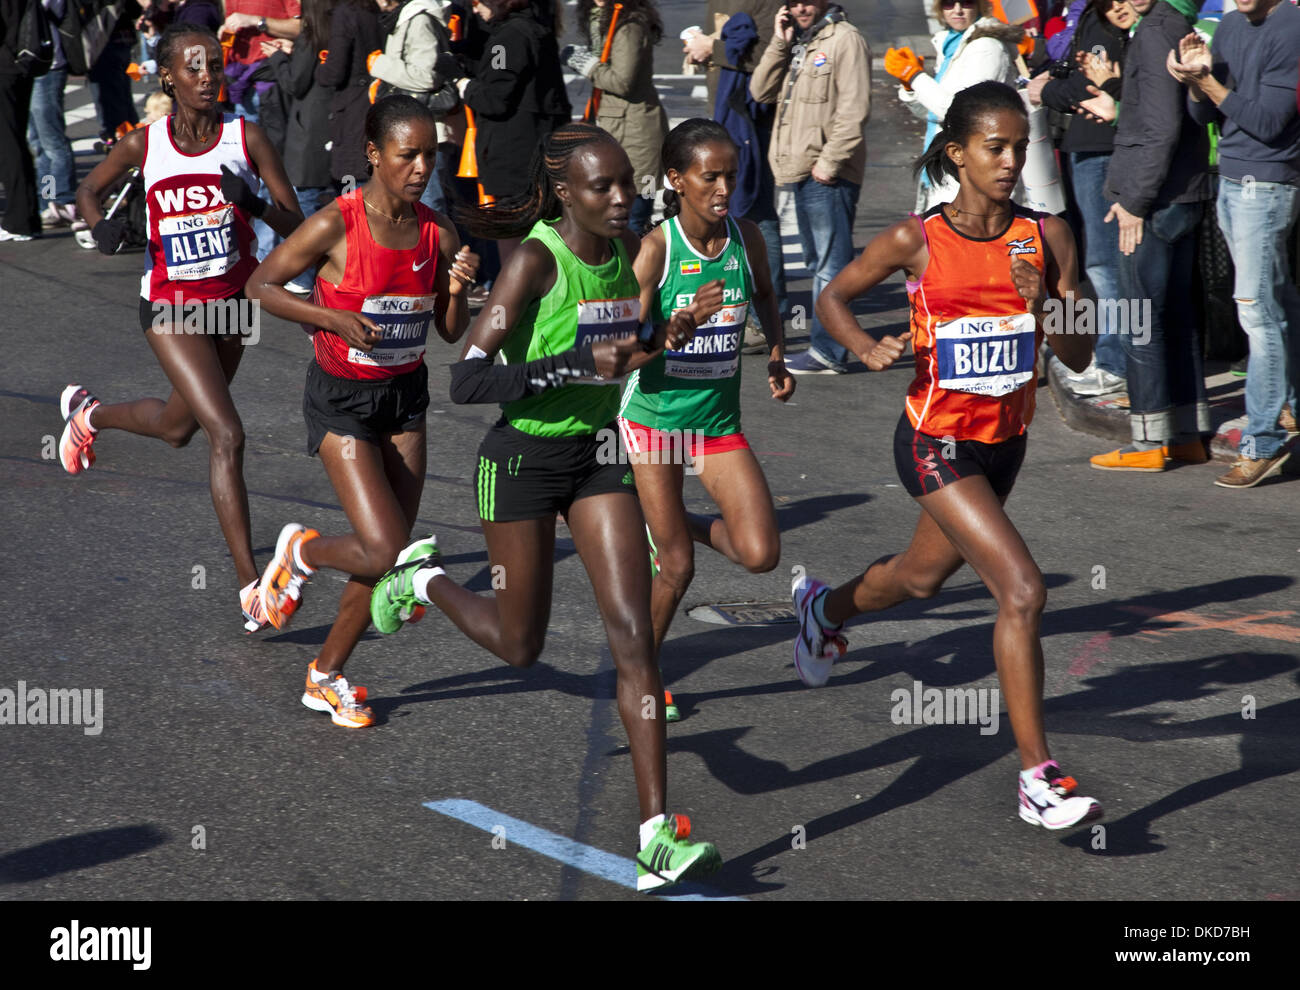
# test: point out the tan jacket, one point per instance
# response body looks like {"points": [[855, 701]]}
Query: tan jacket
{"points": [[821, 120], [629, 104]]}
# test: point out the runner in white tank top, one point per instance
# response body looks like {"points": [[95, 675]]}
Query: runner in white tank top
{"points": [[198, 166]]}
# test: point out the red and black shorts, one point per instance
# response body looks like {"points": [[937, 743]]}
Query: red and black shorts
{"points": [[925, 463]]}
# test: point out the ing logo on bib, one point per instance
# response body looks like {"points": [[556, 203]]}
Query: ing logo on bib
{"points": [[986, 355]]}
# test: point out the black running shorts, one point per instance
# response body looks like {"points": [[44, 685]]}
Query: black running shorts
{"points": [[213, 318], [521, 476], [925, 463], [367, 410]]}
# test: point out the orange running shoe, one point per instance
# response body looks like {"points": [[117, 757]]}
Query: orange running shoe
{"points": [[335, 695], [250, 601], [281, 585], [78, 435]]}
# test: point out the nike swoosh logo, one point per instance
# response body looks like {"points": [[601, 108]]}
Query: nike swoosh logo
{"points": [[416, 268]]}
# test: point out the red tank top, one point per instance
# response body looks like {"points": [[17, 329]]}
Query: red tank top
{"points": [[394, 287], [976, 346]]}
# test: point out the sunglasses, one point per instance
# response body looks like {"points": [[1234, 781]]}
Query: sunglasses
{"points": [[949, 4]]}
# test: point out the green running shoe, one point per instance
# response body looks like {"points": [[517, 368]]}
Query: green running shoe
{"points": [[670, 858], [654, 555], [393, 601], [671, 712]]}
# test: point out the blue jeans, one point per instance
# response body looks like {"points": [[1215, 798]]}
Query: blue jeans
{"points": [[1256, 220], [1166, 377], [1100, 251], [311, 199], [825, 215], [47, 135], [435, 198]]}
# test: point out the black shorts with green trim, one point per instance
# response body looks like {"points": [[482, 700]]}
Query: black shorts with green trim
{"points": [[521, 476]]}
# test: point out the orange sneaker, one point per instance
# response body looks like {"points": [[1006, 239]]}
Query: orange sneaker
{"points": [[75, 450], [335, 695], [281, 585], [1128, 459]]}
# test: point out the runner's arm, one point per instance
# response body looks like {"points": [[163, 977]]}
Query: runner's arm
{"points": [[1062, 276], [450, 305]]}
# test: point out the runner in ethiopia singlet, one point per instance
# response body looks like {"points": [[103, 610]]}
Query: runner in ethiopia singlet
{"points": [[976, 347], [391, 286], [200, 246], [697, 388]]}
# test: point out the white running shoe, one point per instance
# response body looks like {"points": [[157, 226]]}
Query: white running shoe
{"points": [[816, 648], [1095, 381], [1048, 799]]}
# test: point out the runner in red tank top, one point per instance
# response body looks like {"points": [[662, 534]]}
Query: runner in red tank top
{"points": [[200, 252], [979, 270], [392, 268]]}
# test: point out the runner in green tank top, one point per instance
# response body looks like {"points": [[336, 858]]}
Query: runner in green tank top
{"points": [[684, 406], [566, 316]]}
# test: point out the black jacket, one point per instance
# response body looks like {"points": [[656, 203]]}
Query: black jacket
{"points": [[1161, 155], [518, 98], [307, 129], [354, 34], [1093, 32]]}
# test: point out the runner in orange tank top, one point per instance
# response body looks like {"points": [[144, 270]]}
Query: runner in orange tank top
{"points": [[979, 270]]}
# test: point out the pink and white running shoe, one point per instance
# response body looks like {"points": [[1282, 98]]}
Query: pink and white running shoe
{"points": [[816, 648], [1048, 799]]}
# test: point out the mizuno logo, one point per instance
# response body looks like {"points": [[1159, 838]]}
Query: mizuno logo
{"points": [[1021, 246]]}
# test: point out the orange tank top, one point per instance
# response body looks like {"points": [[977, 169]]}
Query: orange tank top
{"points": [[976, 346]]}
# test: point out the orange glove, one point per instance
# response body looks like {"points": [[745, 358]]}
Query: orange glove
{"points": [[324, 54], [903, 64], [370, 59], [1026, 46]]}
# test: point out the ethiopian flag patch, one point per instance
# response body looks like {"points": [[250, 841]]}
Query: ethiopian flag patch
{"points": [[690, 268]]}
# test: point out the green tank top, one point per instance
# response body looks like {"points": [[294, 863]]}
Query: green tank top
{"points": [[697, 388], [587, 304]]}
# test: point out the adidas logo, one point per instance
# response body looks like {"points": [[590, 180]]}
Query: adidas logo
{"points": [[732, 265]]}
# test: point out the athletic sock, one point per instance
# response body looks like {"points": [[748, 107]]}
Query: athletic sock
{"points": [[89, 413], [648, 829], [420, 582], [297, 558], [319, 676], [819, 611]]}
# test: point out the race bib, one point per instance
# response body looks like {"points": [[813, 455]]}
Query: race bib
{"points": [[714, 351], [985, 355], [605, 319], [199, 245], [404, 323]]}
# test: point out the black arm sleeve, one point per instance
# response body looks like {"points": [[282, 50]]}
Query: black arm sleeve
{"points": [[481, 380]]}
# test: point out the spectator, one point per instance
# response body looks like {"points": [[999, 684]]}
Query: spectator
{"points": [[354, 34], [1247, 86], [110, 86], [22, 220], [819, 67], [629, 105], [517, 95], [56, 168], [1103, 27], [972, 48], [1158, 181], [307, 128]]}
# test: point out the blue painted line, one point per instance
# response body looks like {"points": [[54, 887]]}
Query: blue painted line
{"points": [[589, 859]]}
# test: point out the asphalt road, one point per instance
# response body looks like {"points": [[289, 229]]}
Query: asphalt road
{"points": [[1170, 601]]}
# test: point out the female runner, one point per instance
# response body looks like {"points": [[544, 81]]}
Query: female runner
{"points": [[684, 406], [198, 167], [979, 270], [391, 266], [571, 311]]}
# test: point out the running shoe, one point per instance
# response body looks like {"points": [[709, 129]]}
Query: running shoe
{"points": [[250, 601], [335, 695], [810, 362], [1049, 799], [393, 601], [282, 581], [670, 858], [816, 647], [75, 447], [654, 553], [671, 712], [9, 235]]}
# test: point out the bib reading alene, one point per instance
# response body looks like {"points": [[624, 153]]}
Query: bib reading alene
{"points": [[976, 346], [392, 286], [200, 246], [698, 387], [586, 304]]}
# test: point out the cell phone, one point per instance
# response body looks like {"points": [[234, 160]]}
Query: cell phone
{"points": [[787, 22]]}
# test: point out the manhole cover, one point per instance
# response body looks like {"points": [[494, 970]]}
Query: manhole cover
{"points": [[745, 613]]}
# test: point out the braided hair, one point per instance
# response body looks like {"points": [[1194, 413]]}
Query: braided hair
{"points": [[514, 216], [961, 121], [169, 45], [679, 152]]}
